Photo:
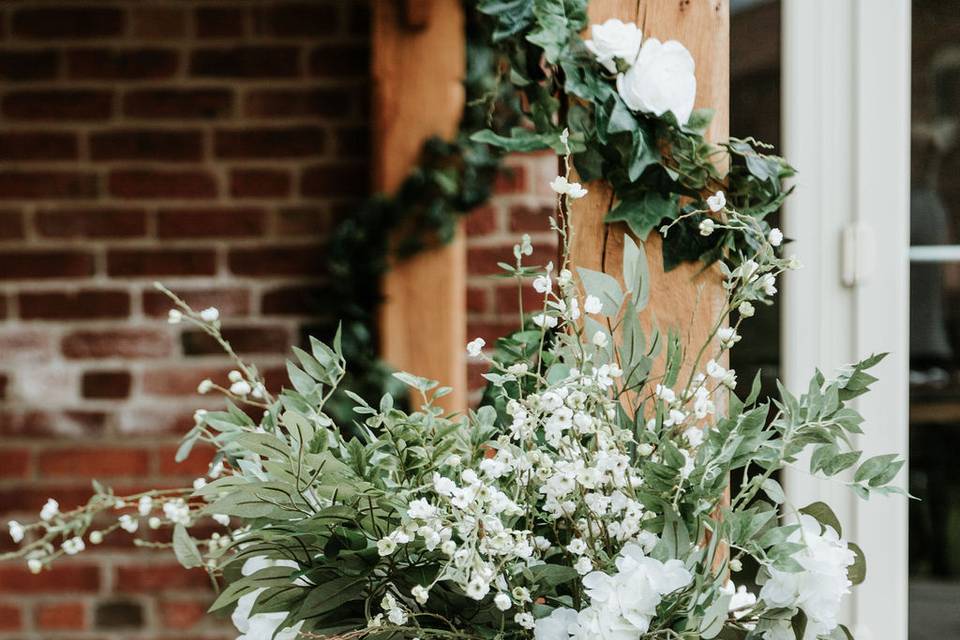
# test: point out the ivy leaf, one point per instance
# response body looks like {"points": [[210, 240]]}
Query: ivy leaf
{"points": [[644, 212], [822, 512], [520, 139], [512, 16]]}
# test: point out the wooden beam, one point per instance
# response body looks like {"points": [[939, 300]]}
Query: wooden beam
{"points": [[683, 298], [419, 59]]}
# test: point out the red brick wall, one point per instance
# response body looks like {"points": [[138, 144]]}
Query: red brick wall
{"points": [[208, 144]]}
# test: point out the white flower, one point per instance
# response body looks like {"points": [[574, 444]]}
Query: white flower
{"points": [[154, 522], [386, 546], [562, 187], [775, 237], [665, 393], [453, 460], [199, 483], [96, 537], [174, 316], [583, 565], [477, 588], [544, 320], [145, 505], [614, 39], [50, 510], [34, 565], [728, 337], [741, 600], [16, 530], [397, 615], [746, 309], [234, 376], [261, 625], [736, 565], [205, 386], [73, 546], [525, 620], [241, 388], [128, 523], [768, 282], [210, 314], [600, 339], [707, 227], [420, 593], [577, 547], [556, 626], [694, 436], [715, 371], [475, 347], [660, 80], [542, 284], [521, 594], [645, 449], [502, 601], [221, 518], [717, 201], [576, 191], [592, 305]]}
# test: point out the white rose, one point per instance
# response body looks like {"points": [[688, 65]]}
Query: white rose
{"points": [[614, 39], [556, 626], [660, 80]]}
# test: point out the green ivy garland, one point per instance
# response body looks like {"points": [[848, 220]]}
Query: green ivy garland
{"points": [[529, 77]]}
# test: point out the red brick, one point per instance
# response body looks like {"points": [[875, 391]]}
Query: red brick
{"points": [[511, 180], [160, 262], [25, 345], [531, 220], [149, 144], [340, 61], [61, 616], [490, 331], [14, 463], [295, 300], [47, 185], [260, 183], [483, 260], [67, 22], [482, 220], [271, 103], [145, 421], [296, 19], [197, 464], [10, 617], [22, 265], [37, 145], [154, 578], [91, 223], [117, 343], [338, 180], [28, 65], [85, 304], [475, 379], [477, 300], [11, 224], [242, 339], [275, 142], [103, 385], [121, 64], [219, 22], [210, 222], [304, 221], [181, 380], [89, 463], [56, 424], [158, 23], [63, 577], [182, 613], [139, 183], [246, 62], [30, 498], [230, 302], [278, 261], [4, 381], [118, 614], [353, 142], [58, 105], [507, 299], [206, 104]]}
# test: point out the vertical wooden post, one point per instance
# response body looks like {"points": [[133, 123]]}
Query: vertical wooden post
{"points": [[419, 61], [681, 298]]}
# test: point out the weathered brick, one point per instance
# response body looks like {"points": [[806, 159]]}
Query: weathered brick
{"points": [[340, 61], [154, 145], [100, 462], [121, 64], [25, 265], [77, 222], [304, 221], [61, 616], [336, 180], [182, 613], [11, 224], [317, 102], [84, 304], [11, 618], [273, 142], [511, 180], [54, 23], [19, 345], [531, 219], [246, 62], [102, 385], [219, 22], [14, 464], [158, 23], [157, 184], [47, 185], [176, 104], [118, 614], [277, 261], [231, 302], [20, 66], [295, 300], [181, 380], [62, 577], [259, 339], [210, 222], [153, 578], [116, 343], [38, 145], [260, 183], [160, 262], [297, 19], [58, 105], [481, 221]]}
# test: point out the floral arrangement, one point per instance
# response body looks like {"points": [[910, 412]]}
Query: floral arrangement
{"points": [[594, 494]]}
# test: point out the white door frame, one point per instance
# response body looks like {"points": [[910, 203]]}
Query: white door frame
{"points": [[846, 121]]}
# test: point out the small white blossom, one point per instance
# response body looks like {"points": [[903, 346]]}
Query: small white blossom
{"points": [[475, 347], [728, 337], [592, 305], [583, 565], [502, 601], [665, 393], [96, 537], [600, 339], [154, 522], [205, 386], [221, 518], [420, 593], [544, 320], [145, 505], [542, 284], [775, 237], [128, 523], [525, 620], [16, 530], [746, 309], [50, 510], [174, 316], [210, 314], [386, 546], [717, 202], [73, 546], [563, 187], [240, 388], [577, 547], [715, 371], [34, 565], [707, 227]]}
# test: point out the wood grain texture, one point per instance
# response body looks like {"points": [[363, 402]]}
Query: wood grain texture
{"points": [[418, 93], [684, 298]]}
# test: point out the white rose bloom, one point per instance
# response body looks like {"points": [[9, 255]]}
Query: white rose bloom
{"points": [[556, 626], [614, 39], [661, 80]]}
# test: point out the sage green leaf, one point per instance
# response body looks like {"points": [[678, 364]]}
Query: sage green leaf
{"points": [[636, 273], [604, 287], [185, 548]]}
